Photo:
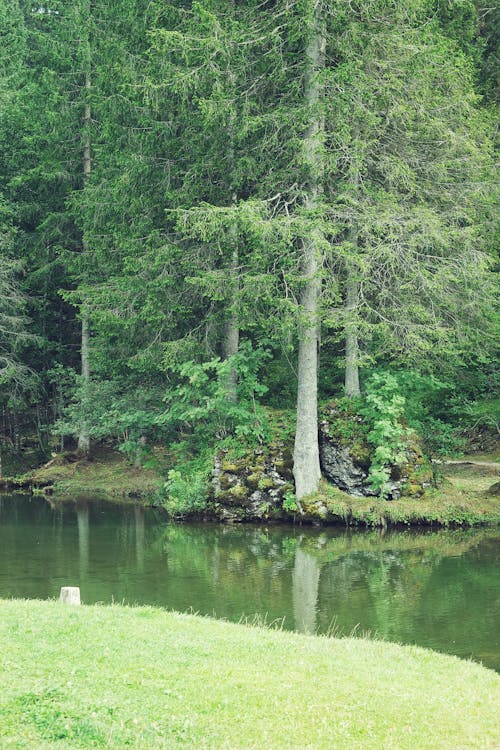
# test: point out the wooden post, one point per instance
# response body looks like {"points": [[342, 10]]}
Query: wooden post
{"points": [[70, 595]]}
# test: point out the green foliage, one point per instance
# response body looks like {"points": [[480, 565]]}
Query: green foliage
{"points": [[194, 214], [484, 411], [430, 409], [290, 502], [383, 408], [200, 408], [200, 416], [186, 491], [105, 410]]}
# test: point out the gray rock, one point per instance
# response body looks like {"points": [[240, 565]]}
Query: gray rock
{"points": [[338, 467]]}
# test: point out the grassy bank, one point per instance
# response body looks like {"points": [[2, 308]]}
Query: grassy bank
{"points": [[107, 474], [143, 678], [462, 498]]}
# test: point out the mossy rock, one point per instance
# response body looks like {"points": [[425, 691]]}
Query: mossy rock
{"points": [[239, 492], [288, 487], [266, 483], [222, 497], [360, 454], [252, 480], [284, 465], [342, 424], [256, 467], [231, 466], [227, 481], [412, 490]]}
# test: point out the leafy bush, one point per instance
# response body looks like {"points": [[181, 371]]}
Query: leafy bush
{"points": [[186, 492], [105, 411], [290, 502], [383, 408], [198, 405], [199, 416], [432, 409]]}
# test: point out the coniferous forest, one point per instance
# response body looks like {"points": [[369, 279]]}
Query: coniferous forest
{"points": [[219, 217]]}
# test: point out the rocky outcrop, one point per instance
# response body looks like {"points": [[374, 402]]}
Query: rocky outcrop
{"points": [[253, 487], [345, 457], [258, 485], [337, 465]]}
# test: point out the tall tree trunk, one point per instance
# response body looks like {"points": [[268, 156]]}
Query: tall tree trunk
{"points": [[306, 469], [351, 329], [352, 285], [231, 333], [83, 437], [351, 343]]}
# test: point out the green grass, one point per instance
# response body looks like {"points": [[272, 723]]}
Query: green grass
{"points": [[113, 677], [107, 474], [446, 506]]}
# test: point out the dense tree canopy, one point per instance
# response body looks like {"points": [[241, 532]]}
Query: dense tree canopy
{"points": [[303, 186]]}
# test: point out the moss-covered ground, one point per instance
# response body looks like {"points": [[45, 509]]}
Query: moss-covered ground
{"points": [[113, 677], [107, 473]]}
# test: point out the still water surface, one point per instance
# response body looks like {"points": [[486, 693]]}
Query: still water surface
{"points": [[437, 589]]}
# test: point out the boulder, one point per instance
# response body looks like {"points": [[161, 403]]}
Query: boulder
{"points": [[252, 488], [345, 456], [338, 467]]}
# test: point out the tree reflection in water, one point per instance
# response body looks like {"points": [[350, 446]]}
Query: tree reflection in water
{"points": [[433, 588]]}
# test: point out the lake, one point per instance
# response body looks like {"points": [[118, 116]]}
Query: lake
{"points": [[438, 589]]}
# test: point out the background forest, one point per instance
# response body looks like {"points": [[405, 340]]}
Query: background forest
{"points": [[215, 215]]}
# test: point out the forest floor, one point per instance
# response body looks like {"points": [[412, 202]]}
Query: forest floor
{"points": [[115, 677], [468, 491], [108, 473]]}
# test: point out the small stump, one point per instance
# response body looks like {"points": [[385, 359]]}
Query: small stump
{"points": [[70, 595]]}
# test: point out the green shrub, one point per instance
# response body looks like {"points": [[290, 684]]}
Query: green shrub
{"points": [[383, 408], [290, 502], [186, 491]]}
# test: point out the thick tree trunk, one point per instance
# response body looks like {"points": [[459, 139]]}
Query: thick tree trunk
{"points": [[352, 290], [306, 469], [83, 437], [231, 333]]}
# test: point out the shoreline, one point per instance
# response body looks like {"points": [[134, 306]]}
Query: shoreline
{"points": [[464, 497]]}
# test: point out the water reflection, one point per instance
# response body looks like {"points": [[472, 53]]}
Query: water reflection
{"points": [[305, 586], [438, 589], [82, 516]]}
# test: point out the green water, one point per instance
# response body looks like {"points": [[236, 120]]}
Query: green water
{"points": [[436, 589]]}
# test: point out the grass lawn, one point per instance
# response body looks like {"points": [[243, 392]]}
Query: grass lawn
{"points": [[113, 677]]}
